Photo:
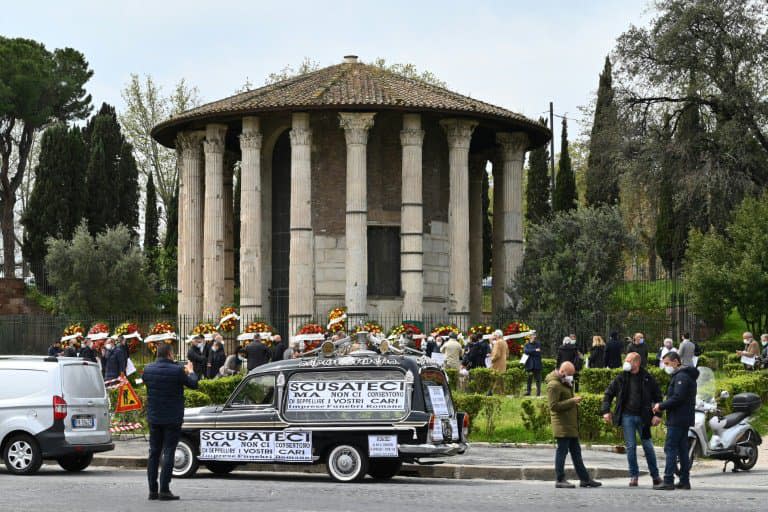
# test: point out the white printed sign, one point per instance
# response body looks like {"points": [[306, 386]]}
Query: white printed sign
{"points": [[255, 446], [346, 395], [438, 358], [439, 405], [454, 429], [749, 361], [437, 431], [382, 446]]}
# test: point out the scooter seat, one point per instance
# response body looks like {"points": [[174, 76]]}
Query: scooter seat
{"points": [[734, 418]]}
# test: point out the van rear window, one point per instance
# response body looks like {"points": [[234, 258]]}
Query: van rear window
{"points": [[82, 381], [364, 395]]}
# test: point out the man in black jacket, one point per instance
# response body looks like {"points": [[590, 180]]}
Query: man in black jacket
{"points": [[681, 411], [216, 357], [638, 345], [87, 352], [278, 347], [165, 381], [198, 354], [613, 351], [257, 353], [636, 392]]}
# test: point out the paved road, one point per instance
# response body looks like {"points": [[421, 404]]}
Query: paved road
{"points": [[118, 490]]}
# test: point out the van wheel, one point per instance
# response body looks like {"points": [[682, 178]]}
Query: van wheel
{"points": [[220, 468], [347, 463], [384, 469], [185, 462], [22, 455], [75, 463]]}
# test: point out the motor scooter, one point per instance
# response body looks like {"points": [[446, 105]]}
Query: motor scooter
{"points": [[733, 438]]}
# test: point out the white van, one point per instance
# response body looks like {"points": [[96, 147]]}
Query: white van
{"points": [[51, 409]]}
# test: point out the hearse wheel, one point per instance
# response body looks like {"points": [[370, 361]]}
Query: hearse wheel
{"points": [[347, 463], [220, 468], [185, 462], [384, 469]]}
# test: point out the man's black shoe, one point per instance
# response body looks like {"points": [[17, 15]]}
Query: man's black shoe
{"points": [[685, 487], [152, 495], [590, 483], [664, 487], [564, 484], [167, 496]]}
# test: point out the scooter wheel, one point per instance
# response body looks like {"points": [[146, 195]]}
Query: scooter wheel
{"points": [[746, 463]]}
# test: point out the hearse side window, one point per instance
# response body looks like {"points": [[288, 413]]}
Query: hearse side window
{"points": [[259, 390], [349, 395], [436, 380]]}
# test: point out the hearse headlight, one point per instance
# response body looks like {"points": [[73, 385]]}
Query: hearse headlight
{"points": [[328, 349], [384, 347]]}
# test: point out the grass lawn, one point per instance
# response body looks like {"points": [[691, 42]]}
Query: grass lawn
{"points": [[734, 327]]}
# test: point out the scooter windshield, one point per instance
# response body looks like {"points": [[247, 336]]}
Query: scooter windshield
{"points": [[705, 384]]}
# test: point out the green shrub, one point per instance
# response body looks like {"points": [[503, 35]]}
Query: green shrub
{"points": [[194, 398], [717, 357], [653, 360], [732, 358], [590, 419], [705, 361], [218, 390], [453, 378], [492, 412], [724, 346], [661, 378], [733, 369], [470, 403], [481, 380], [548, 366], [513, 380], [535, 415], [596, 380], [748, 382]]}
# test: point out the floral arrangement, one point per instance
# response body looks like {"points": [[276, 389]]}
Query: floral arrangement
{"points": [[480, 329], [160, 328], [337, 319], [129, 328], [371, 327], [204, 328], [99, 328], [258, 327], [76, 328], [406, 328], [230, 324], [515, 345], [311, 329], [445, 330]]}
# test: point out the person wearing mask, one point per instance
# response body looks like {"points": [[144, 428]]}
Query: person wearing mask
{"points": [[567, 352], [452, 350], [233, 364], [198, 354], [216, 358], [563, 410], [613, 351], [499, 354], [431, 346], [87, 352], [165, 381], [686, 350], [638, 345], [533, 366], [751, 350], [257, 353], [115, 360], [71, 350], [292, 352], [478, 351], [667, 347], [680, 407], [597, 354], [764, 353], [55, 349], [278, 347], [636, 392]]}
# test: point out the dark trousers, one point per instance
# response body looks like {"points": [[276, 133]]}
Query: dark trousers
{"points": [[162, 442], [676, 448], [534, 374], [565, 445]]}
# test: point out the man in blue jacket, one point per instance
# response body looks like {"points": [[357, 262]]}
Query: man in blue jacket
{"points": [[165, 381], [681, 410]]}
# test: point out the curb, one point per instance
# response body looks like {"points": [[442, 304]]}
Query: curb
{"points": [[449, 471]]}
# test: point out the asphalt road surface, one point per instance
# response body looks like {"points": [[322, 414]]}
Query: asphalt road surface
{"points": [[113, 489]]}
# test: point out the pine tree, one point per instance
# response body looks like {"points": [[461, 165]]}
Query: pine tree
{"points": [[537, 188], [565, 197], [150, 217], [55, 206], [602, 175]]}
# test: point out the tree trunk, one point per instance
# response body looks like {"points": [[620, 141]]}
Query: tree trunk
{"points": [[9, 237], [652, 260]]}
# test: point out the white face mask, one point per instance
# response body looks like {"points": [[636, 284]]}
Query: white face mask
{"points": [[214, 349], [670, 369], [764, 342], [241, 358], [627, 366], [568, 379], [109, 346], [747, 341]]}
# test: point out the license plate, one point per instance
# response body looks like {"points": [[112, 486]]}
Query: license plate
{"points": [[82, 422]]}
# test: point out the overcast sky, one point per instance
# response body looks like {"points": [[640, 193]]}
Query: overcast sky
{"points": [[516, 54]]}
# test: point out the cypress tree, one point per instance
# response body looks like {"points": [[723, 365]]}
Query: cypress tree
{"points": [[487, 228], [537, 189], [101, 196], [565, 197], [128, 187], [150, 217], [55, 206], [602, 176], [236, 221]]}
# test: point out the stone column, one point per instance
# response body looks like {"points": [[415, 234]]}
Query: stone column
{"points": [[476, 174], [356, 126], [301, 270], [497, 237], [459, 132], [412, 218], [513, 147], [250, 220], [230, 160], [213, 233], [190, 257]]}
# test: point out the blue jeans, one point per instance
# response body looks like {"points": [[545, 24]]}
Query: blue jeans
{"points": [[162, 441], [565, 445], [676, 447], [633, 426]]}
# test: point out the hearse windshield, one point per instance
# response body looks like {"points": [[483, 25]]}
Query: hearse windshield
{"points": [[437, 396], [349, 395]]}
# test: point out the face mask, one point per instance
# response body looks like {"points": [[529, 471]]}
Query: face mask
{"points": [[568, 379], [642, 340], [670, 369], [109, 346], [746, 342], [214, 349], [627, 367], [764, 343], [241, 358]]}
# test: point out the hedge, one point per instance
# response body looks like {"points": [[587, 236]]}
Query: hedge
{"points": [[194, 398], [219, 390], [747, 382], [596, 380]]}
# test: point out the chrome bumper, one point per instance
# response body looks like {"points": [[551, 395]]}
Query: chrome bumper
{"points": [[433, 450]]}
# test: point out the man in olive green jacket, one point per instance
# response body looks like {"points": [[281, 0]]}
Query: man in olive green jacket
{"points": [[564, 411]]}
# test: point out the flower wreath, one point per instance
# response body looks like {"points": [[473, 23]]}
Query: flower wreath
{"points": [[371, 327], [337, 319], [130, 328], [311, 328], [160, 328], [515, 347], [406, 328], [74, 329], [229, 318]]}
